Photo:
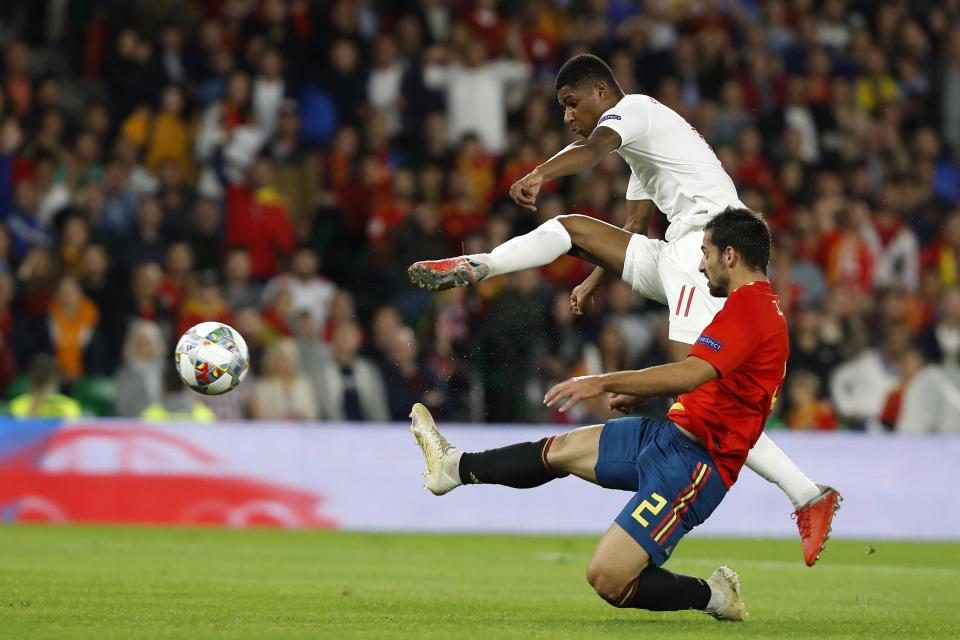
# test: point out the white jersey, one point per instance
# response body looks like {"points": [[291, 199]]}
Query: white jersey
{"points": [[670, 163]]}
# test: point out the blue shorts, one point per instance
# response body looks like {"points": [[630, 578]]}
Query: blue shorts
{"points": [[676, 482]]}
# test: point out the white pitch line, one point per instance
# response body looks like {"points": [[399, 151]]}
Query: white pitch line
{"points": [[779, 565]]}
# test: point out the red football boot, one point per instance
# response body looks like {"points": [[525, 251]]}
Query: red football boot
{"points": [[437, 275], [814, 522]]}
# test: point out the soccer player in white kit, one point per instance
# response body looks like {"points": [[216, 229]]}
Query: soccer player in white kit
{"points": [[672, 168]]}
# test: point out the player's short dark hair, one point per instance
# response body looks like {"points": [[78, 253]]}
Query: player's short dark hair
{"points": [[745, 231], [584, 68]]}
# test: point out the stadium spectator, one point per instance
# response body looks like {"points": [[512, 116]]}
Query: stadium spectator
{"points": [[140, 376], [295, 169], [203, 233], [44, 400], [309, 291], [257, 218], [73, 319], [345, 81], [384, 324], [807, 409], [350, 387], [408, 379], [121, 201], [204, 304], [146, 242], [52, 196], [386, 78], [476, 88], [940, 342], [8, 364], [637, 329], [162, 136], [178, 273], [859, 387], [910, 364], [283, 392], [177, 403], [931, 402], [239, 290], [814, 343], [26, 231], [269, 90]]}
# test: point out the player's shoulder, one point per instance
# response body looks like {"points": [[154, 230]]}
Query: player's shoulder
{"points": [[630, 104], [636, 100], [756, 300]]}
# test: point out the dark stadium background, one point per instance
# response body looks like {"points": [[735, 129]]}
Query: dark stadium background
{"points": [[166, 162]]}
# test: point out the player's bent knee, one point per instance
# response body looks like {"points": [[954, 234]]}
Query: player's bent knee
{"points": [[559, 452], [577, 225], [574, 452], [609, 585], [567, 452]]}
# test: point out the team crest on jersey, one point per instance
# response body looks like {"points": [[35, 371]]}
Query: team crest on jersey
{"points": [[710, 342], [609, 116]]}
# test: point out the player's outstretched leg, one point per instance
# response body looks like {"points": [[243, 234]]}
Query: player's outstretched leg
{"points": [[814, 504], [815, 522], [541, 246], [596, 241], [521, 466]]}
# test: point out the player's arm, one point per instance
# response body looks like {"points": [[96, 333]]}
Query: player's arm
{"points": [[639, 213], [581, 154], [574, 158], [653, 382]]}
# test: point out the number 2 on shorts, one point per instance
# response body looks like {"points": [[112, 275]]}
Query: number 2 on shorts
{"points": [[647, 506]]}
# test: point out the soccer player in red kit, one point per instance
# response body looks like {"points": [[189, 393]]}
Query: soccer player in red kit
{"points": [[680, 468]]}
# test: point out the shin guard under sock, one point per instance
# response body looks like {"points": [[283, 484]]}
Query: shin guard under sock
{"points": [[657, 589], [521, 466]]}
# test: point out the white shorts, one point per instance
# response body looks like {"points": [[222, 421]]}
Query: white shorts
{"points": [[669, 272]]}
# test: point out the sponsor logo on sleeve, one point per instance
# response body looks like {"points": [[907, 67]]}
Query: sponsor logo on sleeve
{"points": [[709, 342], [609, 116]]}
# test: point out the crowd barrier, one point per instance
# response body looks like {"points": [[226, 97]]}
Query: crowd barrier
{"points": [[367, 477]]}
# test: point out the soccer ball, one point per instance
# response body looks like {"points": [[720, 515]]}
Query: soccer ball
{"points": [[212, 358]]}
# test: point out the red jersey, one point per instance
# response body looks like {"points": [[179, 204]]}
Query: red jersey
{"points": [[747, 344]]}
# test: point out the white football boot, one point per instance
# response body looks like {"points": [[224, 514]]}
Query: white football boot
{"points": [[442, 458], [726, 583]]}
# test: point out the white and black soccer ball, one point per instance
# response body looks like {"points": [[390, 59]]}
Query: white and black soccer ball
{"points": [[212, 358]]}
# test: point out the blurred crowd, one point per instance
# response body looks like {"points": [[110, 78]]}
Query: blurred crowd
{"points": [[277, 164]]}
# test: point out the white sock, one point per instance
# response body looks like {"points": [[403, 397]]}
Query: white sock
{"points": [[455, 466], [541, 246], [769, 462], [718, 598]]}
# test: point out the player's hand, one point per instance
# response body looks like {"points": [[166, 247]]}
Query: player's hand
{"points": [[524, 191], [623, 403], [574, 390], [581, 298]]}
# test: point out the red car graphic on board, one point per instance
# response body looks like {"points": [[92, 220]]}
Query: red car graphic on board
{"points": [[143, 476]]}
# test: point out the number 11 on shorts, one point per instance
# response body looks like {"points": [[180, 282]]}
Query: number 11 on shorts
{"points": [[685, 307]]}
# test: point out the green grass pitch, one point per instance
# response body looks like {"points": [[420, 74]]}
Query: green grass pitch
{"points": [[92, 582]]}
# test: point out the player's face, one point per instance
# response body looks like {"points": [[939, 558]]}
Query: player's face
{"points": [[714, 267], [583, 106]]}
